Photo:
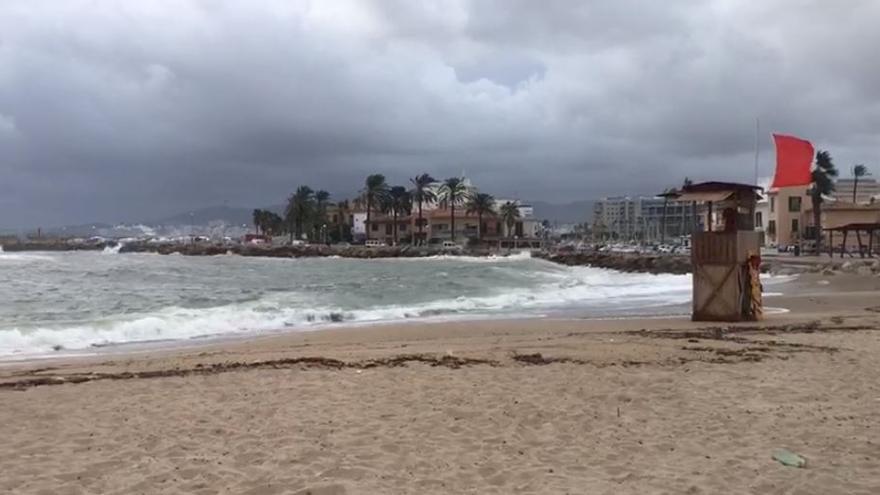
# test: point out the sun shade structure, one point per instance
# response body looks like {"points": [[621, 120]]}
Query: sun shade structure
{"points": [[868, 228], [726, 254]]}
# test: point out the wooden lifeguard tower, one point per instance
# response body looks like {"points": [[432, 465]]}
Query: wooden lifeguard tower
{"points": [[726, 252]]}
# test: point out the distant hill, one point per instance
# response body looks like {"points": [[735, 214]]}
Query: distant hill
{"points": [[232, 215], [574, 212], [229, 214]]}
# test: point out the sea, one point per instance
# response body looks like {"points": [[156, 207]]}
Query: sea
{"points": [[78, 302]]}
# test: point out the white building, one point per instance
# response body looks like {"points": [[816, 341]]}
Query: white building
{"points": [[641, 218], [359, 225], [868, 188]]}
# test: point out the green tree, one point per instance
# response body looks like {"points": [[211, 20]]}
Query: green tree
{"points": [[258, 217], [452, 193], [422, 192], [322, 199], [480, 204], [858, 172], [375, 190], [343, 208], [509, 212], [273, 224], [300, 208], [823, 185], [397, 203]]}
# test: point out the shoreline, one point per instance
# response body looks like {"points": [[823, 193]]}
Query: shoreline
{"points": [[793, 287], [500, 406], [800, 303]]}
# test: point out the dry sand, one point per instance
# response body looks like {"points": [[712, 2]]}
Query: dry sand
{"points": [[526, 406]]}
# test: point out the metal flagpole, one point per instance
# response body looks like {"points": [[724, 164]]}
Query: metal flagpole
{"points": [[757, 148]]}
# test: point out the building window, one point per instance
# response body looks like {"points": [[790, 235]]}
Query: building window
{"points": [[759, 218], [772, 204], [771, 227], [375, 227], [388, 229], [795, 227], [794, 204]]}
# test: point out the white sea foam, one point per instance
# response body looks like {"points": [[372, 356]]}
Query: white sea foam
{"points": [[305, 295], [112, 249], [23, 257], [286, 311], [491, 259]]}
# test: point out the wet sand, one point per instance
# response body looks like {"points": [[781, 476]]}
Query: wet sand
{"points": [[521, 406]]}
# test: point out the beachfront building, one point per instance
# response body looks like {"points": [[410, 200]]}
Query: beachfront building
{"points": [[786, 220], [641, 218], [359, 226], [837, 214], [789, 211], [867, 189], [762, 219], [493, 231]]}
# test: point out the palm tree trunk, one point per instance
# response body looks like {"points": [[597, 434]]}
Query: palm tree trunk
{"points": [[452, 211], [420, 223], [367, 225], [855, 188], [479, 227], [395, 226]]}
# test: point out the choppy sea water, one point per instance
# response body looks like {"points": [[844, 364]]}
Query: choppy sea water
{"points": [[56, 302]]}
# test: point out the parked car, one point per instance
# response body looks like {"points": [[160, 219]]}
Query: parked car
{"points": [[370, 243], [449, 245]]}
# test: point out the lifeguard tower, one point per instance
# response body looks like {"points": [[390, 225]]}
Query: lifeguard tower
{"points": [[726, 252]]}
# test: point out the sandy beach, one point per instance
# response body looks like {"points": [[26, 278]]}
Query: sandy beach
{"points": [[509, 406]]}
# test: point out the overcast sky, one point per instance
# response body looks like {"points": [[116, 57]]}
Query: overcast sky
{"points": [[120, 111]]}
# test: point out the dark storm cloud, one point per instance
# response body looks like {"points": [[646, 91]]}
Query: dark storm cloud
{"points": [[123, 111]]}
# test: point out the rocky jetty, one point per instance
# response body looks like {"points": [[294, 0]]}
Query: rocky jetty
{"points": [[304, 251], [624, 262]]}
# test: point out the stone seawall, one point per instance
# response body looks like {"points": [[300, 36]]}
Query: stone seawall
{"points": [[624, 262], [304, 251]]}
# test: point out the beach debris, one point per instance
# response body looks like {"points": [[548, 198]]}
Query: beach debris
{"points": [[789, 458]]}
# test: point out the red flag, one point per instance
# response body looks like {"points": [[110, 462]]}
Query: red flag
{"points": [[794, 158]]}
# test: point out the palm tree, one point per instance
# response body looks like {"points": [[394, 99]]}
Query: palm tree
{"points": [[258, 217], [397, 202], [858, 172], [322, 197], [343, 209], [823, 184], [481, 204], [452, 193], [509, 212], [375, 190], [422, 192], [300, 207], [272, 223]]}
